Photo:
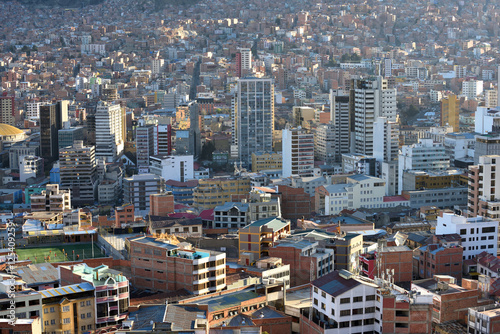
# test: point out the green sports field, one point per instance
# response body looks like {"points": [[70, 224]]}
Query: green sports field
{"points": [[42, 254]]}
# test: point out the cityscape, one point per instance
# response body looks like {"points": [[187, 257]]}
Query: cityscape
{"points": [[257, 167]]}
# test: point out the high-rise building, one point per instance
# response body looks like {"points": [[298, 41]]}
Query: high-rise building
{"points": [[324, 143], [163, 139], [487, 144], [68, 136], [52, 117], [7, 110], [194, 130], [298, 152], [372, 99], [387, 68], [33, 110], [386, 145], [340, 119], [157, 65], [490, 98], [253, 118], [450, 107], [109, 132], [144, 144], [484, 198], [243, 62], [78, 170]]}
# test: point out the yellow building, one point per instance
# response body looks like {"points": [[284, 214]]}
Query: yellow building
{"points": [[265, 161], [212, 192], [69, 309], [414, 180], [450, 115]]}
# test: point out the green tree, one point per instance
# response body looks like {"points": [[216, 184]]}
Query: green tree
{"points": [[207, 150]]}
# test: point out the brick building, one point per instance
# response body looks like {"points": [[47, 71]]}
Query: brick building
{"points": [[161, 266], [295, 203], [306, 259], [124, 215], [435, 259], [451, 301], [397, 258], [161, 204]]}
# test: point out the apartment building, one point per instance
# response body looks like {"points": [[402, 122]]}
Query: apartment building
{"points": [[483, 198], [174, 167], [160, 266], [112, 292], [483, 320], [212, 192], [308, 261], [266, 161], [51, 199], [69, 309], [436, 259], [258, 237], [397, 259], [478, 234], [298, 152]]}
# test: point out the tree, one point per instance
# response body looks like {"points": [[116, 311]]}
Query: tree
{"points": [[207, 150]]}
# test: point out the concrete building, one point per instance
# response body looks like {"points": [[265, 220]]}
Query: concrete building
{"points": [[372, 99], [30, 167], [157, 65], [472, 88], [450, 108], [173, 167], [26, 147], [303, 116], [359, 191], [78, 171], [257, 238], [324, 143], [426, 155], [212, 192], [69, 309], [441, 197], [138, 188], [182, 191], [266, 161], [490, 98], [7, 110], [340, 118], [417, 179], [160, 266], [51, 199], [459, 146], [360, 164], [163, 139], [386, 145], [68, 136], [483, 320], [32, 110], [488, 144], [308, 261], [486, 120], [298, 152], [483, 198], [252, 118], [478, 234], [243, 62], [109, 131], [144, 145]]}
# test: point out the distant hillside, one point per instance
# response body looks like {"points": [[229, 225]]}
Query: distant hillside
{"points": [[59, 3], [160, 4]]}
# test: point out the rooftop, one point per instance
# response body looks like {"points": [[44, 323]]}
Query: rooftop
{"points": [[67, 290]]}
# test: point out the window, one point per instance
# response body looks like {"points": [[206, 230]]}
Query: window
{"points": [[52, 310], [357, 299], [323, 294], [323, 307], [66, 321], [490, 229], [82, 316], [370, 297], [315, 302], [400, 313], [65, 308], [89, 315], [333, 300], [370, 310], [401, 325], [357, 311], [344, 324], [345, 313], [82, 304], [333, 311], [369, 321], [89, 326], [46, 322], [345, 300], [45, 310], [356, 323], [53, 321], [89, 302]]}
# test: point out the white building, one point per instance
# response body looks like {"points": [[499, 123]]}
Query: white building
{"points": [[324, 143], [425, 155], [359, 191], [490, 98], [435, 96], [33, 110], [157, 65], [372, 99], [109, 131], [478, 234], [486, 120], [472, 88], [246, 59], [30, 166], [173, 167], [386, 145], [459, 145], [298, 152]]}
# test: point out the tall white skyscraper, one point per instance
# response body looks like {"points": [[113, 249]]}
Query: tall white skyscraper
{"points": [[372, 99], [109, 129], [252, 118]]}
